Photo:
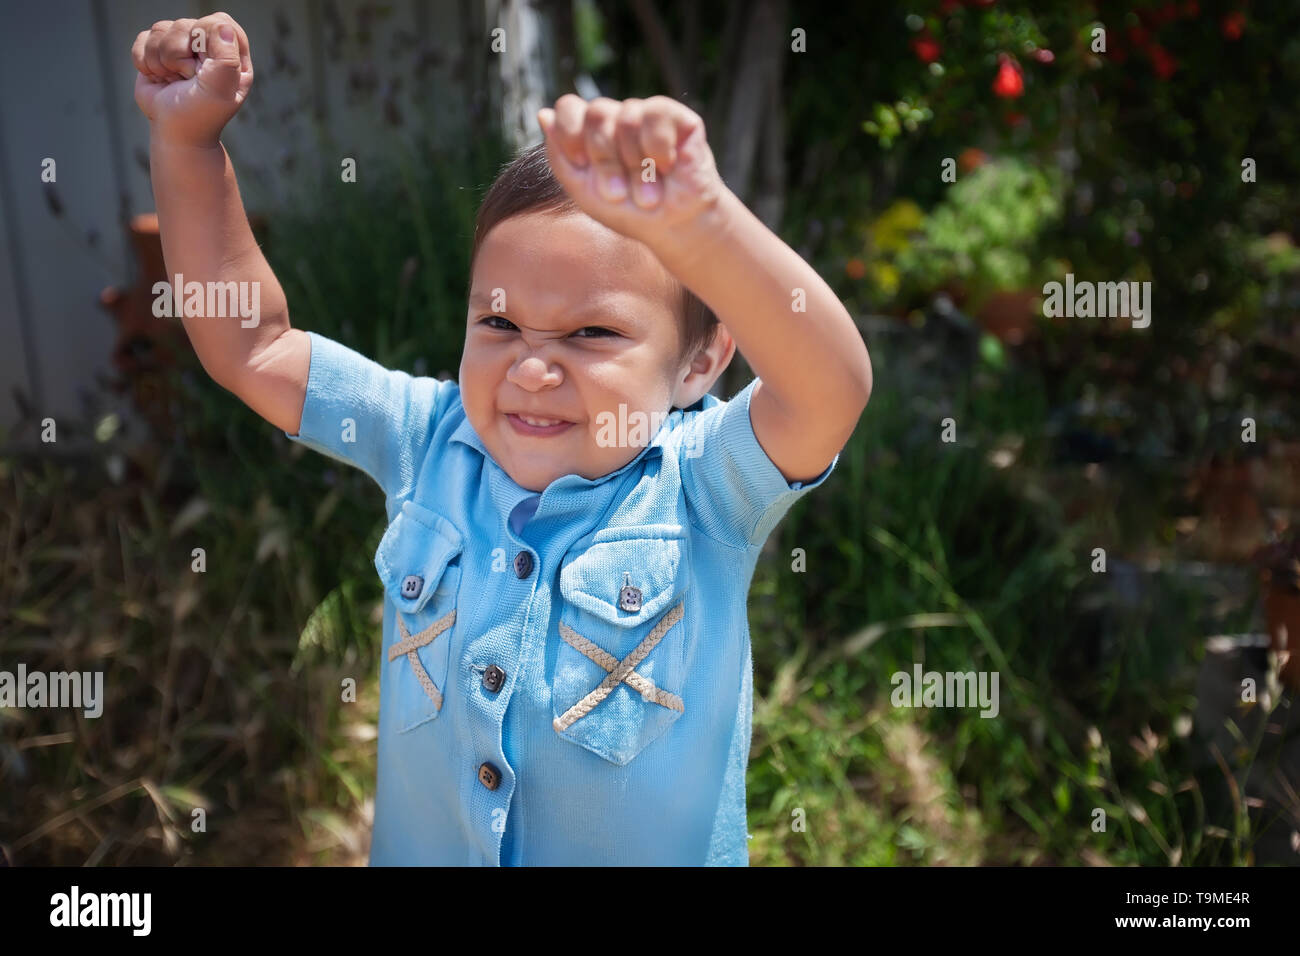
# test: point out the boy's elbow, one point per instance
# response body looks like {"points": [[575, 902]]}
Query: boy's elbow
{"points": [[846, 399], [864, 382], [221, 372]]}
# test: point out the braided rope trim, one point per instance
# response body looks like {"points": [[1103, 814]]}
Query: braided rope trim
{"points": [[409, 646], [647, 688], [619, 671]]}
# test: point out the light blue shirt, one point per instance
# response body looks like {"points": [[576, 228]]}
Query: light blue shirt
{"points": [[615, 608]]}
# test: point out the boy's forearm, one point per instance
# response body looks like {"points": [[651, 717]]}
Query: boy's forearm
{"points": [[791, 328], [206, 238]]}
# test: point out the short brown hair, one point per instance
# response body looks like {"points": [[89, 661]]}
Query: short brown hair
{"points": [[527, 184]]}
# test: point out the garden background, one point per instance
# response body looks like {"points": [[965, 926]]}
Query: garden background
{"points": [[938, 163]]}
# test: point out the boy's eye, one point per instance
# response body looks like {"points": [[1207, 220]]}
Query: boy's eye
{"points": [[502, 324]]}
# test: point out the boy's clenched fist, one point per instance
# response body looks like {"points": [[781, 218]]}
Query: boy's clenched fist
{"points": [[641, 167], [194, 74]]}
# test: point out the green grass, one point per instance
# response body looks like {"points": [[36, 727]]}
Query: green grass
{"points": [[923, 551]]}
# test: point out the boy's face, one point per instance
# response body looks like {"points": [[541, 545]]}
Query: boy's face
{"points": [[584, 320]]}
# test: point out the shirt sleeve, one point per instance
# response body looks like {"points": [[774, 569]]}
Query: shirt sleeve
{"points": [[736, 492], [376, 419]]}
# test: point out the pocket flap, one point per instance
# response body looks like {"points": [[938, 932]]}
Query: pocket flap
{"points": [[413, 555], [647, 557]]}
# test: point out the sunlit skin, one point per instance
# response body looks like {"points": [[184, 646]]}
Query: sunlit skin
{"points": [[591, 320]]}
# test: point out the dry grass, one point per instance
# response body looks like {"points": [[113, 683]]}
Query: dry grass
{"points": [[202, 708]]}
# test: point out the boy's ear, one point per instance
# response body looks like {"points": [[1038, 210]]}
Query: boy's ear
{"points": [[698, 375]]}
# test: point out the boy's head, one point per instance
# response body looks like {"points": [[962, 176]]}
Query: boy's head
{"points": [[570, 320]]}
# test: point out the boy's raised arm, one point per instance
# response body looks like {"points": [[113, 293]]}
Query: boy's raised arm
{"points": [[800, 340], [193, 77], [644, 168]]}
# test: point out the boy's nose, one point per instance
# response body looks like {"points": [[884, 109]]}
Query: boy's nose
{"points": [[533, 373]]}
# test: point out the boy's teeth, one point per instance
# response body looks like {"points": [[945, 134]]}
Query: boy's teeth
{"points": [[540, 421]]}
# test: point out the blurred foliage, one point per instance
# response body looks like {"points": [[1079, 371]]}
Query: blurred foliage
{"points": [[985, 232], [1143, 145], [966, 558]]}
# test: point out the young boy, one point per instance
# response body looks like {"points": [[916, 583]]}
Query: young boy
{"points": [[566, 676]]}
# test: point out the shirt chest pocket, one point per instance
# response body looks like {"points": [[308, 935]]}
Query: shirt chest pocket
{"points": [[418, 561], [620, 667]]}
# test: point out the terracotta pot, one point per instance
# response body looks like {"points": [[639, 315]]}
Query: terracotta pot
{"points": [[1279, 569], [148, 347], [1010, 316], [1232, 521]]}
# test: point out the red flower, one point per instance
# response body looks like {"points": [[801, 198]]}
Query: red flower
{"points": [[926, 48], [971, 159], [1008, 84], [1138, 36], [1162, 62], [948, 6], [855, 268], [1233, 24], [1192, 8], [1044, 56]]}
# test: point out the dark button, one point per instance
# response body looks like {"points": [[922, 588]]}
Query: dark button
{"points": [[523, 564], [629, 599], [489, 776], [494, 678]]}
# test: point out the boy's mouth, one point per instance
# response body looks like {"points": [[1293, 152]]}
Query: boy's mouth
{"points": [[537, 425]]}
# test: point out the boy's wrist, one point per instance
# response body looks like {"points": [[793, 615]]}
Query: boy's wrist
{"points": [[171, 139], [691, 242]]}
